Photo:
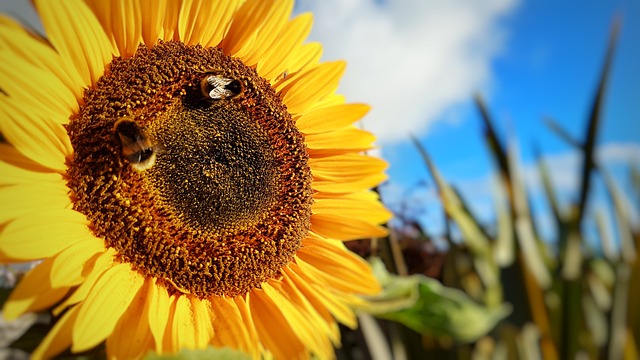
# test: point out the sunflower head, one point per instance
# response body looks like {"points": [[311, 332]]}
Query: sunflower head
{"points": [[198, 151], [190, 175]]}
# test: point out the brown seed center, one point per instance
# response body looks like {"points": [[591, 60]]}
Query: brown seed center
{"points": [[188, 164], [216, 168]]}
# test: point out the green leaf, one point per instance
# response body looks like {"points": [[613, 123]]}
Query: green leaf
{"points": [[426, 306], [531, 248], [208, 353], [622, 217], [554, 126], [491, 137], [473, 235], [549, 191], [589, 143], [504, 248]]}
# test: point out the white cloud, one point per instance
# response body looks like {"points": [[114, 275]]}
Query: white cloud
{"points": [[565, 168], [410, 59], [619, 153]]}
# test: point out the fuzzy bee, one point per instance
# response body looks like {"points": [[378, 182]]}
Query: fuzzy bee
{"points": [[216, 87], [137, 147]]}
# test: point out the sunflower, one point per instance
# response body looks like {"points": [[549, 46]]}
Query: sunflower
{"points": [[186, 174]]}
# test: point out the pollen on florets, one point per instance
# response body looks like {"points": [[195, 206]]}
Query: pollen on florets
{"points": [[227, 199]]}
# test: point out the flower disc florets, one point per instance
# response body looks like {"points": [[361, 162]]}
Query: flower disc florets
{"points": [[189, 165]]}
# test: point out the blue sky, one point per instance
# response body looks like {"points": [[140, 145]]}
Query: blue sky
{"points": [[530, 60], [418, 63]]}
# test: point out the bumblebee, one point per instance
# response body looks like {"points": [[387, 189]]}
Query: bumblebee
{"points": [[216, 87], [137, 147]]}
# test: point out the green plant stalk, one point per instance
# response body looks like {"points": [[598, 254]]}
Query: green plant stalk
{"points": [[539, 313], [619, 333], [571, 319], [594, 121]]}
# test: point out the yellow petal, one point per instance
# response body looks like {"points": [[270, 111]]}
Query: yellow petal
{"points": [[68, 266], [125, 24], [327, 101], [33, 292], [171, 18], [121, 21], [331, 118], [94, 268], [205, 22], [14, 175], [321, 291], [346, 173], [18, 169], [273, 328], [102, 11], [339, 142], [349, 166], [366, 195], [307, 326], [157, 306], [131, 338], [109, 298], [20, 200], [191, 327], [223, 21], [302, 92], [189, 11], [230, 328], [183, 326], [335, 227], [153, 19], [43, 234], [169, 342], [33, 50], [306, 291], [34, 134], [354, 183], [269, 31], [77, 36], [203, 322], [341, 268], [305, 57], [301, 59], [58, 339], [36, 86], [352, 209], [246, 22], [159, 19], [276, 60], [323, 325], [242, 303], [10, 24]]}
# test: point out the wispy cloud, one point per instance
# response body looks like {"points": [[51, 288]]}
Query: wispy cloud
{"points": [[564, 168], [410, 59]]}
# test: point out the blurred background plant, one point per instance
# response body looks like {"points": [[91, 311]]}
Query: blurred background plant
{"points": [[569, 298]]}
